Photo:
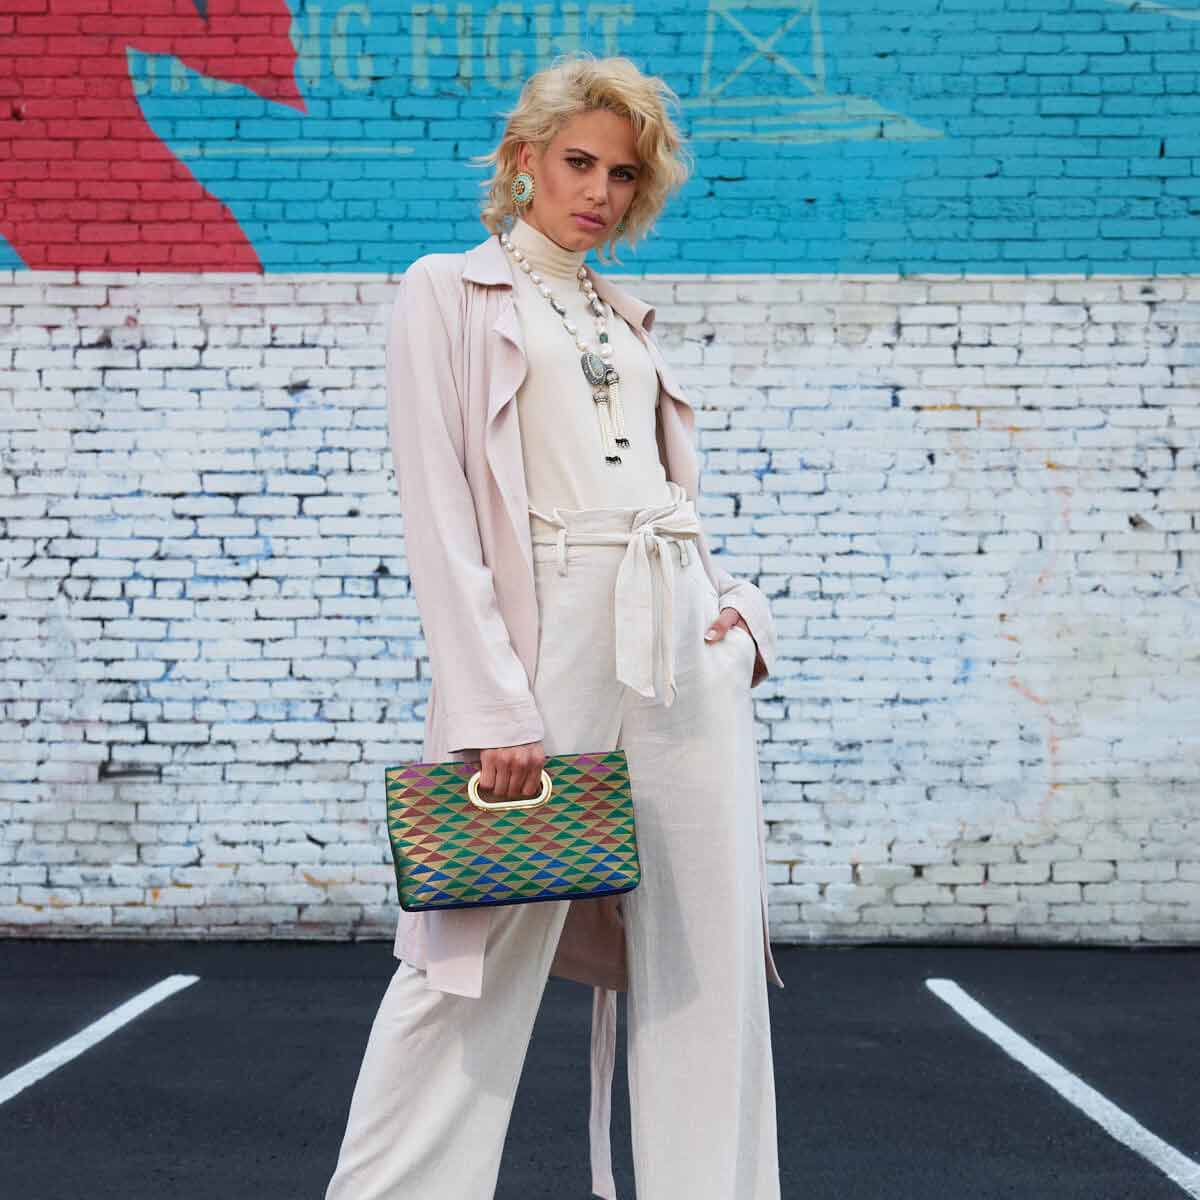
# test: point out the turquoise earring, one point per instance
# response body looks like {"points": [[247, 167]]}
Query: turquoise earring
{"points": [[522, 188]]}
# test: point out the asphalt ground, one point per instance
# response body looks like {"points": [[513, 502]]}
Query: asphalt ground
{"points": [[901, 1071]]}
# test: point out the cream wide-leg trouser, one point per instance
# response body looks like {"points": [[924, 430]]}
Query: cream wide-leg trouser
{"points": [[624, 602]]}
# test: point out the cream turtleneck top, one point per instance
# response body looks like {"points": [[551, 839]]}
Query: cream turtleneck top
{"points": [[560, 432]]}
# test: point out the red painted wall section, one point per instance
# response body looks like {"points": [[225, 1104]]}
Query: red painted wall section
{"points": [[85, 183]]}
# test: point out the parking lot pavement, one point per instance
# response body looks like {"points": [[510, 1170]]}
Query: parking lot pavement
{"points": [[198, 1070]]}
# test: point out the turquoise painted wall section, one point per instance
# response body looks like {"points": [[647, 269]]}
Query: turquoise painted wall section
{"points": [[1044, 136]]}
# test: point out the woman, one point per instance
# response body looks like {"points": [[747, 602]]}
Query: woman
{"points": [[570, 603]]}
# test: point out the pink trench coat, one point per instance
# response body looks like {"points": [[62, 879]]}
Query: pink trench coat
{"points": [[455, 359]]}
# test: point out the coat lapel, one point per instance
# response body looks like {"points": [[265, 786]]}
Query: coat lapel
{"points": [[502, 434]]}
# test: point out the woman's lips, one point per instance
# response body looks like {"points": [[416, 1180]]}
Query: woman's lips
{"points": [[588, 222]]}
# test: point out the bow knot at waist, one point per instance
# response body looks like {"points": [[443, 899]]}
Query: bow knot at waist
{"points": [[644, 594]]}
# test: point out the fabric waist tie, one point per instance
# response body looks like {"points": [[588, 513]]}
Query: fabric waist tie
{"points": [[645, 588]]}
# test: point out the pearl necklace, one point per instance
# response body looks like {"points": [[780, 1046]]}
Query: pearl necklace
{"points": [[597, 367]]}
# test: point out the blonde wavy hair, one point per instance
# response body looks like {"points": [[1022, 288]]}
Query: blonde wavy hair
{"points": [[578, 82]]}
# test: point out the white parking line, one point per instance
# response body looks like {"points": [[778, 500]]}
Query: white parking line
{"points": [[18, 1080], [1176, 1166]]}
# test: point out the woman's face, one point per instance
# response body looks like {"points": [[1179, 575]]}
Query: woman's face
{"points": [[590, 168]]}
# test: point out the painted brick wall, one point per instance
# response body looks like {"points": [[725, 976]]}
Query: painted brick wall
{"points": [[894, 136], [973, 502], [963, 463]]}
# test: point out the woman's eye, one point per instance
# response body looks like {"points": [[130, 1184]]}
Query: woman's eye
{"points": [[624, 173]]}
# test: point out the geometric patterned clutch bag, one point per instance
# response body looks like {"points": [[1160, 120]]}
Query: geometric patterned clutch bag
{"points": [[454, 848]]}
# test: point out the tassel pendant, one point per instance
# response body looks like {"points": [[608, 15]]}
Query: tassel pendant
{"points": [[606, 430], [614, 391]]}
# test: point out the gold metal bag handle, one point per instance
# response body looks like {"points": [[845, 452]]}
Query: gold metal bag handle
{"points": [[496, 805]]}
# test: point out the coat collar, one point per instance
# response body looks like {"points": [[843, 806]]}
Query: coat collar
{"points": [[488, 263]]}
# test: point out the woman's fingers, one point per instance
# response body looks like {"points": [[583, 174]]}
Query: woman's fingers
{"points": [[512, 772], [724, 621], [533, 781]]}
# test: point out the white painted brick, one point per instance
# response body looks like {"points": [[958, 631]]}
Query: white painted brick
{"points": [[831, 914], [893, 915], [921, 893], [1149, 872], [1176, 892], [946, 914], [1019, 872], [1113, 893], [1051, 893], [956, 874], [1083, 872], [1082, 914], [923, 854]]}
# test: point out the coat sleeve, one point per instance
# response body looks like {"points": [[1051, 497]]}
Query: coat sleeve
{"points": [[755, 609], [732, 592], [483, 689]]}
